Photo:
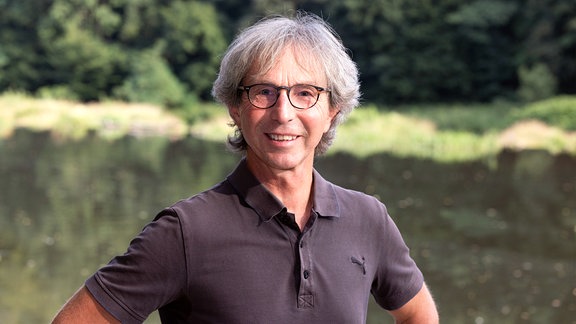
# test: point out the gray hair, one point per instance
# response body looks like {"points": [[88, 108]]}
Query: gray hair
{"points": [[264, 42]]}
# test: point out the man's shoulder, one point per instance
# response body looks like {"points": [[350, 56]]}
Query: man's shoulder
{"points": [[348, 194], [348, 201], [215, 199], [327, 188]]}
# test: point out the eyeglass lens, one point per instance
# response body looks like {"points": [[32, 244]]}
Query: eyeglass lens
{"points": [[300, 96]]}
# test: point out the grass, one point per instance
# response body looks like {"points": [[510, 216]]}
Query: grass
{"points": [[72, 120], [446, 133], [473, 118], [369, 131]]}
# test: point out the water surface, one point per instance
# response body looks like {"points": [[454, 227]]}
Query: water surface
{"points": [[495, 240]]}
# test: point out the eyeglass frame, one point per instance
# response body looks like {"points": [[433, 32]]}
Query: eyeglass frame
{"points": [[278, 88]]}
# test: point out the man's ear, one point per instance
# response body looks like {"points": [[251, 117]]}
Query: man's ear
{"points": [[332, 114], [234, 112]]}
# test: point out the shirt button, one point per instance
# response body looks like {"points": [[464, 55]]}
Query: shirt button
{"points": [[306, 274]]}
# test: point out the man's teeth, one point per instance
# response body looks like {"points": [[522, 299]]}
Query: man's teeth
{"points": [[277, 137]]}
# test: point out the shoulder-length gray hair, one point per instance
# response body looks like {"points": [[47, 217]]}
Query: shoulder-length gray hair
{"points": [[258, 48]]}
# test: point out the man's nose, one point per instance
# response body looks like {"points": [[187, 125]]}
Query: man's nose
{"points": [[283, 110]]}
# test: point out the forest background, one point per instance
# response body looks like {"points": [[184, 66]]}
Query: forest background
{"points": [[512, 59]]}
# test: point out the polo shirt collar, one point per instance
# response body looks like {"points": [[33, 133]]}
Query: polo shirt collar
{"points": [[267, 205], [326, 202]]}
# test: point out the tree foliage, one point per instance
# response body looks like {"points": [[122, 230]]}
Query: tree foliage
{"points": [[165, 51]]}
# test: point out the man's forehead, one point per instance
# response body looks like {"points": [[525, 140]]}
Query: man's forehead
{"points": [[295, 66]]}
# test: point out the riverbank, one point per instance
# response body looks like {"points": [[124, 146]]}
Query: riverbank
{"points": [[442, 133], [73, 120]]}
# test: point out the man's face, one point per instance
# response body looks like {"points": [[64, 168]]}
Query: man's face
{"points": [[283, 137]]}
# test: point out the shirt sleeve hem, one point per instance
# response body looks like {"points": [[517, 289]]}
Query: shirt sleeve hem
{"points": [[415, 286], [111, 304]]}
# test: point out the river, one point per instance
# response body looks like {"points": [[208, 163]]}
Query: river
{"points": [[496, 239]]}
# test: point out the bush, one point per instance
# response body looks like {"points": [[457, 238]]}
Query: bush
{"points": [[558, 111], [61, 92], [536, 83], [151, 81], [192, 110], [469, 117]]}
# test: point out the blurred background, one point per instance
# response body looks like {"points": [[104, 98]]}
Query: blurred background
{"points": [[407, 51], [467, 132]]}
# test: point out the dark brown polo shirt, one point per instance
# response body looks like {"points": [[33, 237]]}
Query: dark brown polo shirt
{"points": [[233, 254]]}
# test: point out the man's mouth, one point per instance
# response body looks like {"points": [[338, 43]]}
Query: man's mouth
{"points": [[278, 137]]}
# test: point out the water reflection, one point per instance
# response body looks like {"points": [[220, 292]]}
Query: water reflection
{"points": [[495, 240]]}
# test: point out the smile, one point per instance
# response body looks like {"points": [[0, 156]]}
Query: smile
{"points": [[277, 137]]}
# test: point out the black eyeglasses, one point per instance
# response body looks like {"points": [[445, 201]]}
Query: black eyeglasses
{"points": [[301, 96]]}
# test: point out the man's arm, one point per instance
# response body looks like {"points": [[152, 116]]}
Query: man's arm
{"points": [[83, 308], [420, 309]]}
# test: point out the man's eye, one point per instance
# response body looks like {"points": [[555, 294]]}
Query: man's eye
{"points": [[266, 91], [305, 93]]}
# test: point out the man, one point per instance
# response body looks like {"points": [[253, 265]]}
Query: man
{"points": [[274, 242]]}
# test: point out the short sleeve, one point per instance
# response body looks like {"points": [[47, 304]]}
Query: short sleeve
{"points": [[151, 273], [398, 278]]}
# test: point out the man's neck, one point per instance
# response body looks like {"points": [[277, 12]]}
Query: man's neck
{"points": [[293, 188], [298, 200]]}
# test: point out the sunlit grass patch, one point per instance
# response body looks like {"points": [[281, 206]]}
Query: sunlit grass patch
{"points": [[6, 123], [216, 128], [66, 119], [369, 131], [558, 111], [474, 118], [536, 135]]}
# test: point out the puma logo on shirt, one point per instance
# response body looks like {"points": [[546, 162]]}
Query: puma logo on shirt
{"points": [[359, 263]]}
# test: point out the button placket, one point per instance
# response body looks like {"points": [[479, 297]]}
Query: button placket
{"points": [[305, 293]]}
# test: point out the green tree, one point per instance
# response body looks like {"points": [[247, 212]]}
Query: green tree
{"points": [[194, 43], [546, 32], [21, 56], [486, 45], [150, 80], [404, 49], [85, 48], [77, 37], [536, 83], [407, 50]]}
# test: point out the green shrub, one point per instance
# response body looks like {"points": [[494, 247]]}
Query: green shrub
{"points": [[62, 92], [469, 117], [536, 83], [558, 111], [151, 81], [194, 111]]}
